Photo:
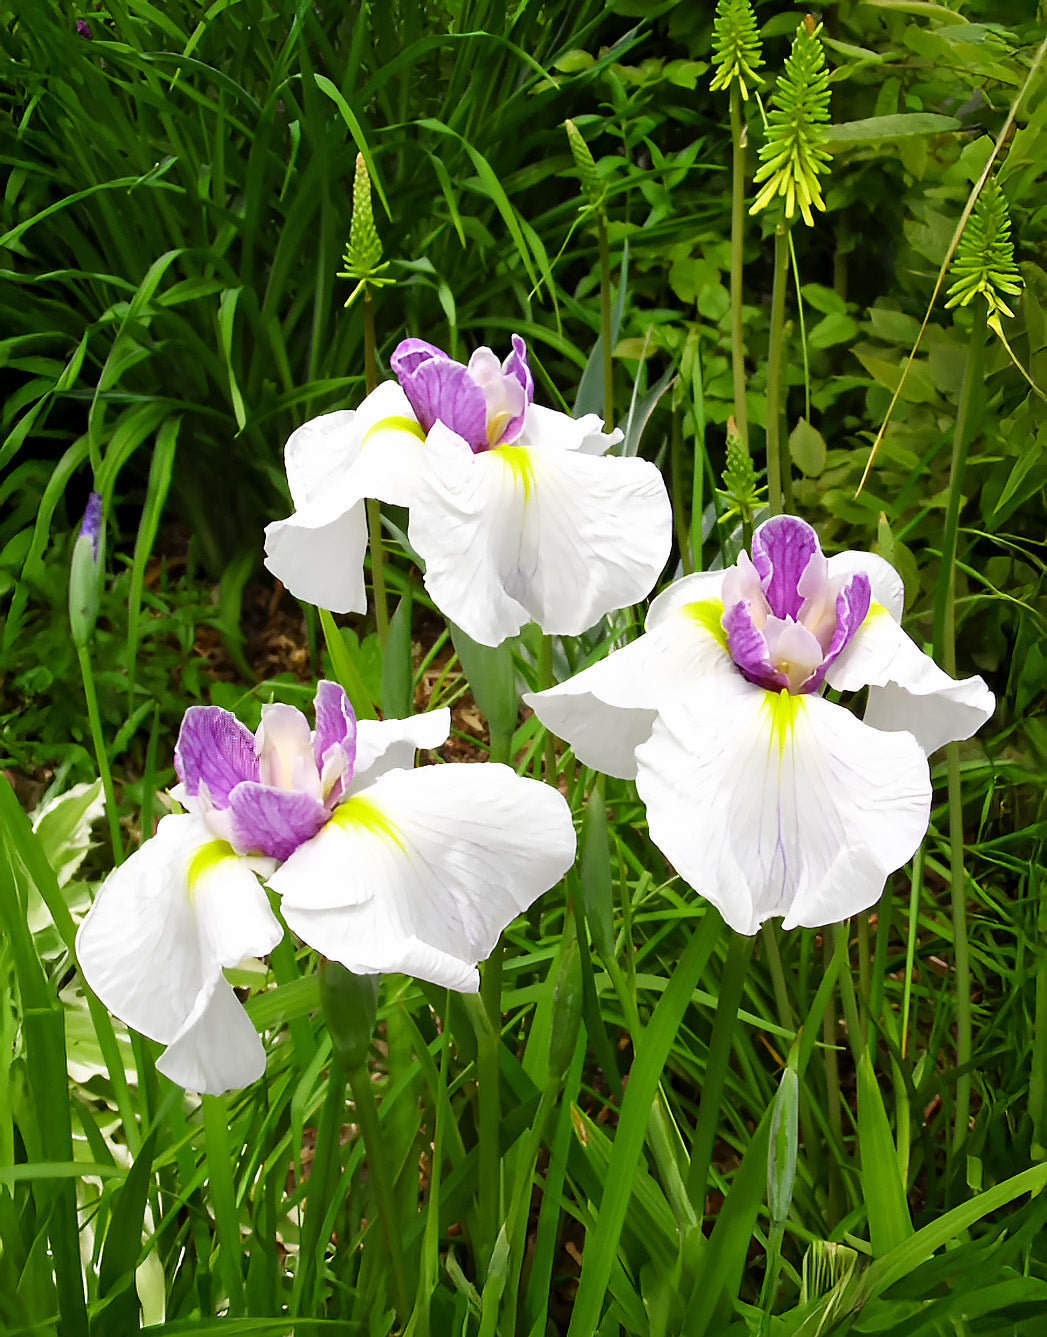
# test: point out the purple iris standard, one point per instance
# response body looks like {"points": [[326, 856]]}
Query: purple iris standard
{"points": [[517, 512], [768, 798], [377, 865]]}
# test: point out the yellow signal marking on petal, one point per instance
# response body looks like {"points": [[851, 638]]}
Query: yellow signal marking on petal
{"points": [[396, 424], [708, 614], [782, 708], [206, 858], [361, 811], [519, 463]]}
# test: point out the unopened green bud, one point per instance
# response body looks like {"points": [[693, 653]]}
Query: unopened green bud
{"points": [[984, 260], [350, 1006], [86, 573], [592, 186], [363, 254]]}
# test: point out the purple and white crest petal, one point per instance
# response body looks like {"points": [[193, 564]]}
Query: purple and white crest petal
{"points": [[782, 548], [748, 647], [335, 733], [409, 354], [517, 366], [443, 391], [852, 608], [272, 821], [216, 750]]}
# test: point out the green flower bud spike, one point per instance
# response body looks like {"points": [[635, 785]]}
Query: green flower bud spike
{"points": [[363, 254], [984, 264], [592, 187], [740, 489], [984, 261], [736, 46], [793, 157]]}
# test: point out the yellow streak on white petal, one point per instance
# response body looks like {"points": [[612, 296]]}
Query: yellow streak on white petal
{"points": [[708, 613], [205, 860], [360, 811], [519, 463], [782, 710], [395, 424]]}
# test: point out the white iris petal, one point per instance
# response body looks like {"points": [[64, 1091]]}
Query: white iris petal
{"points": [[155, 941], [422, 871]]}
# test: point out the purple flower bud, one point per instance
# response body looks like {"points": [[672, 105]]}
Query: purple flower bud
{"points": [[83, 29], [85, 574], [92, 526]]}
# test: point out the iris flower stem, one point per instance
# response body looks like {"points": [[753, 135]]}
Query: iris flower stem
{"points": [[381, 1181], [605, 321], [732, 984], [774, 966], [220, 1159], [945, 643], [833, 1104], [842, 944], [487, 1022], [777, 461], [101, 755], [680, 522], [373, 507], [739, 137], [546, 679], [488, 1031]]}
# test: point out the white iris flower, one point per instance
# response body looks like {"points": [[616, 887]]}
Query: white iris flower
{"points": [[765, 796], [516, 510], [379, 866]]}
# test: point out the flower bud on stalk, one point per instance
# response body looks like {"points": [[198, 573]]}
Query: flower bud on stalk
{"points": [[86, 572]]}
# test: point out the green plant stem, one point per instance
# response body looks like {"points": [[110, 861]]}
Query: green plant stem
{"points": [[546, 679], [489, 1098], [768, 934], [739, 138], [680, 522], [1038, 1066], [345, 669], [945, 644], [834, 1109], [381, 1181], [732, 984], [220, 1159], [101, 756], [777, 465], [605, 322], [373, 507]]}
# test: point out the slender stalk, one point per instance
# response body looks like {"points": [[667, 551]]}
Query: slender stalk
{"points": [[739, 140], [220, 1159], [546, 679], [373, 507], [732, 984], [774, 964], [832, 1098], [381, 1181], [945, 643], [683, 529], [487, 1022], [101, 755], [775, 357], [605, 322], [1038, 1066]]}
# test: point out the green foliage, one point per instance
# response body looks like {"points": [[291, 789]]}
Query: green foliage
{"points": [[793, 156]]}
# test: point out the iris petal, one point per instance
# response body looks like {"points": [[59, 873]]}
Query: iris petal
{"points": [[422, 871], [776, 804], [216, 750]]}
